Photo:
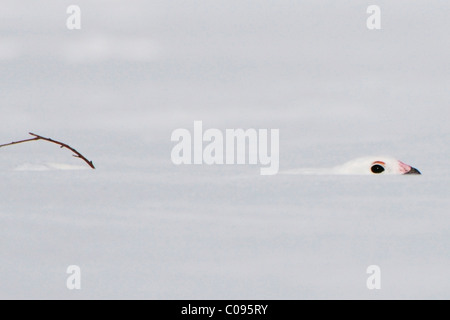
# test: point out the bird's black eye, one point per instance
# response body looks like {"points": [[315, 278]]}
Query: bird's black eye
{"points": [[377, 169]]}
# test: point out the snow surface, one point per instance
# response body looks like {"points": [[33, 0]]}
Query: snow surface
{"points": [[141, 227]]}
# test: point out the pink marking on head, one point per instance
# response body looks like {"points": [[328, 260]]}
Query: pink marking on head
{"points": [[404, 168]]}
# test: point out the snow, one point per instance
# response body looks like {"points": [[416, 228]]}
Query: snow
{"points": [[140, 227]]}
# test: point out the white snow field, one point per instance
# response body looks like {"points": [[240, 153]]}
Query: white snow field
{"points": [[141, 227]]}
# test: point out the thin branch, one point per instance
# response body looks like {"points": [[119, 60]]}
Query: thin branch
{"points": [[17, 142], [62, 145]]}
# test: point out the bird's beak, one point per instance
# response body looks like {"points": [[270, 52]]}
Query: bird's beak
{"points": [[413, 171], [407, 169]]}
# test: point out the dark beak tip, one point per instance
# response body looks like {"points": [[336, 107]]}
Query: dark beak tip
{"points": [[413, 171]]}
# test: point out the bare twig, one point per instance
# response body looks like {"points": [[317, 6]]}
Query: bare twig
{"points": [[17, 142], [62, 145]]}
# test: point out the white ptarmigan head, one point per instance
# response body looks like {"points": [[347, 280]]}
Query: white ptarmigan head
{"points": [[375, 166]]}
